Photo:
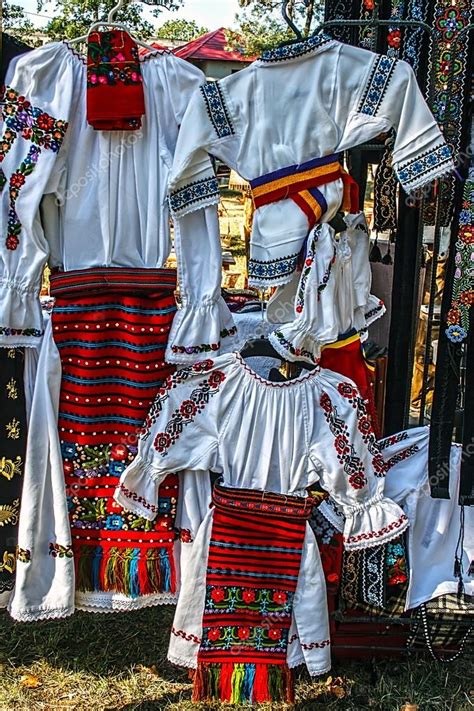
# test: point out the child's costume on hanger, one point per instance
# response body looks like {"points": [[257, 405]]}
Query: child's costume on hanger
{"points": [[252, 605]]}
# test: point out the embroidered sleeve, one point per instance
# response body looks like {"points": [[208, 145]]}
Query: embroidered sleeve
{"points": [[204, 323], [34, 127], [352, 468], [180, 432], [420, 153]]}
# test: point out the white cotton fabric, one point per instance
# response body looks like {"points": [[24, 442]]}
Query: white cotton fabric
{"points": [[101, 201], [263, 436], [434, 523], [333, 296], [295, 104]]}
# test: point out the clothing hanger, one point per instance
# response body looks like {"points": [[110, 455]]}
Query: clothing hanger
{"points": [[117, 25]]}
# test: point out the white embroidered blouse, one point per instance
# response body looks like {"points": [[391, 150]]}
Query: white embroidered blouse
{"points": [[295, 104], [281, 437], [80, 198]]}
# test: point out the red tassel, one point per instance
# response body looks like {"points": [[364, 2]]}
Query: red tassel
{"points": [[261, 692], [200, 692], [172, 568], [143, 579], [225, 687], [289, 685]]}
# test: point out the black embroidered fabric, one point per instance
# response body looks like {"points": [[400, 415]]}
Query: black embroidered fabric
{"points": [[400, 340], [385, 193], [12, 458]]}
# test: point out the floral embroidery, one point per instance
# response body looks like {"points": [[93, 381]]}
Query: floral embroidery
{"points": [[58, 551], [33, 332], [299, 49], [206, 347], [417, 10], [23, 555], [200, 191], [217, 109], [13, 429], [233, 638], [8, 563], [9, 513], [279, 268], [226, 600], [463, 291], [346, 454], [187, 411], [36, 126], [396, 563], [295, 351], [306, 271], [180, 376], [426, 167], [312, 645], [12, 390], [365, 427], [376, 311], [108, 65], [377, 85], [185, 535], [8, 467], [101, 513]]}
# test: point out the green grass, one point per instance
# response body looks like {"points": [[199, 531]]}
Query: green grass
{"points": [[118, 662]]}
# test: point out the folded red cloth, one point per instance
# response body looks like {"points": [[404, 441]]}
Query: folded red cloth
{"points": [[115, 99]]}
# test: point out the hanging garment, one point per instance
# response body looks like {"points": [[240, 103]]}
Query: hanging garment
{"points": [[81, 198], [340, 96], [439, 530], [215, 416], [115, 97], [110, 327], [13, 431], [329, 296]]}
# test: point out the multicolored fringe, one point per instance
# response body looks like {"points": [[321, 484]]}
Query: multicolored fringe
{"points": [[111, 327], [236, 683], [130, 571], [252, 574]]}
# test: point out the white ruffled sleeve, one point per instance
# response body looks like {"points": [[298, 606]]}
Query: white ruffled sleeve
{"points": [[180, 432], [351, 467], [203, 323], [36, 107], [315, 319]]}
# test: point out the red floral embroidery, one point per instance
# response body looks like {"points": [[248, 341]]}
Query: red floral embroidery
{"points": [[12, 242], [280, 597], [214, 633], [187, 411], [185, 535], [274, 633], [243, 632], [119, 452], [370, 535], [218, 594], [248, 596]]}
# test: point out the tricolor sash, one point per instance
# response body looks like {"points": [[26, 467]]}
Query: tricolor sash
{"points": [[300, 184]]}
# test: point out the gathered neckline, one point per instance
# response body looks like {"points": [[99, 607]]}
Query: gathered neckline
{"points": [[269, 383], [141, 58]]}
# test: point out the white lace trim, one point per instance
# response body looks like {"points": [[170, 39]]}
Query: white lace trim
{"points": [[182, 662], [113, 602], [41, 614], [429, 177], [328, 510], [386, 538]]}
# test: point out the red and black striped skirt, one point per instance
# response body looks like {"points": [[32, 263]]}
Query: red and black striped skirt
{"points": [[111, 326]]}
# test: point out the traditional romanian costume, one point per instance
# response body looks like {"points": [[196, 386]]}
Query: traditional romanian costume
{"points": [[253, 604], [94, 205], [340, 96]]}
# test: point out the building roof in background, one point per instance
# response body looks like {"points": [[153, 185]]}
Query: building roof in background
{"points": [[211, 46]]}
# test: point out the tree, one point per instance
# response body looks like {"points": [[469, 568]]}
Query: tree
{"points": [[74, 17], [16, 23], [186, 30], [262, 27]]}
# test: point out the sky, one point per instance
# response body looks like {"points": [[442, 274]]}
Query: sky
{"points": [[207, 13]]}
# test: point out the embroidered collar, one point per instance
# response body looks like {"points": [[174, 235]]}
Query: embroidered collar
{"points": [[299, 49]]}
